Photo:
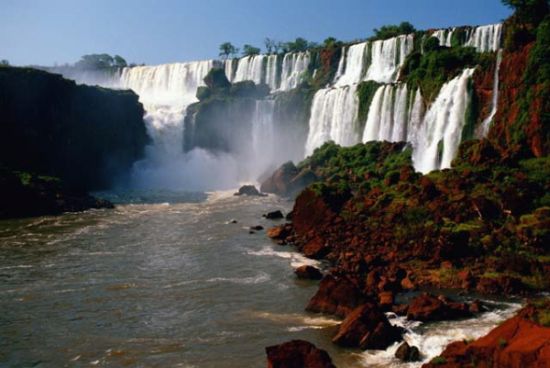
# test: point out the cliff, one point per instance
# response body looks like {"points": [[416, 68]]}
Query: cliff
{"points": [[86, 136]]}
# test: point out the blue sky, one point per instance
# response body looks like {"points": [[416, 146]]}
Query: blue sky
{"points": [[160, 31]]}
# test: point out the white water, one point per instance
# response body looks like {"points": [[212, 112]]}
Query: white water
{"points": [[444, 36], [333, 117], [387, 57], [250, 68], [263, 137], [294, 67], [486, 38], [388, 116], [432, 338], [351, 67], [272, 72], [229, 67], [494, 103], [443, 123]]}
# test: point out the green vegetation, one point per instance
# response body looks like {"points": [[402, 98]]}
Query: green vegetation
{"points": [[438, 360], [249, 50], [437, 65], [4, 62], [390, 31], [365, 93], [529, 11], [100, 62], [228, 50]]}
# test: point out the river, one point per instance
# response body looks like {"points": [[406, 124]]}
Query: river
{"points": [[170, 281]]}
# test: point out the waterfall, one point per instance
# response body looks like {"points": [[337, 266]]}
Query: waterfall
{"points": [[388, 115], [166, 91], [444, 36], [263, 135], [494, 103], [250, 68], [294, 66], [440, 134], [271, 72], [387, 56], [351, 65], [333, 117], [229, 69], [416, 115], [486, 38]]}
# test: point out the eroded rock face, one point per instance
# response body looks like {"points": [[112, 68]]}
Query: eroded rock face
{"points": [[427, 307], [367, 327], [407, 353], [517, 343], [336, 295], [297, 354], [308, 272], [249, 190]]}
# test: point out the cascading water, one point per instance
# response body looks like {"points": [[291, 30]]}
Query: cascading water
{"points": [[250, 68], [387, 56], [333, 114], [351, 65], [229, 67], [294, 66], [388, 115], [444, 36], [440, 134], [486, 38], [263, 136], [272, 72], [487, 122]]}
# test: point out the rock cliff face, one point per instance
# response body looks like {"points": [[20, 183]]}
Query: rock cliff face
{"points": [[86, 136]]}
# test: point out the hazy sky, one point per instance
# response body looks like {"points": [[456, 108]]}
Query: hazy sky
{"points": [[160, 31]]}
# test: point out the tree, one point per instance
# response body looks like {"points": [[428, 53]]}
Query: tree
{"points": [[270, 45], [4, 62], [529, 11], [329, 42], [298, 45], [95, 61], [119, 62], [227, 50], [249, 50], [392, 30]]}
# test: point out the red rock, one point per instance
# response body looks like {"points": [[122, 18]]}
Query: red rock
{"points": [[315, 248], [517, 343], [297, 354], [279, 232], [336, 295], [386, 300], [368, 328], [427, 307], [308, 272]]}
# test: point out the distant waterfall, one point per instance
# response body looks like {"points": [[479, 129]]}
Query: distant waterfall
{"points": [[387, 57], [487, 122], [441, 131], [229, 67], [388, 115], [294, 66], [351, 67], [272, 72], [250, 68], [333, 117], [486, 38], [166, 91], [263, 134], [444, 36]]}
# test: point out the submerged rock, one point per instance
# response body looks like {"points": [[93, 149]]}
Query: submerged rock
{"points": [[407, 353], [274, 215], [308, 272], [257, 227], [250, 190], [297, 354], [367, 327]]}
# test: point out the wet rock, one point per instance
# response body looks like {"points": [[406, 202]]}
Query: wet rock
{"points": [[386, 299], [279, 232], [315, 248], [232, 221], [249, 190], [367, 327], [257, 228], [297, 354], [274, 215], [427, 307], [407, 353], [336, 295], [308, 272], [517, 343]]}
